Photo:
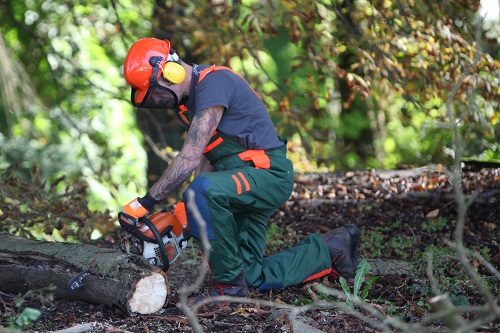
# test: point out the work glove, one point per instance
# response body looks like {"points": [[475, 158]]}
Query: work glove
{"points": [[135, 209]]}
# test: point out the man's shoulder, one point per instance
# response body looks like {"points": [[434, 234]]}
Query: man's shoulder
{"points": [[221, 76]]}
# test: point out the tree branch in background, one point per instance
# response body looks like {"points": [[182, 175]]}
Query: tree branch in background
{"points": [[156, 150], [125, 32]]}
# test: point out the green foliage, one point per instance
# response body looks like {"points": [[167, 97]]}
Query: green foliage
{"points": [[278, 238], [400, 245], [22, 319], [451, 277], [376, 243], [48, 210], [372, 243], [403, 58], [437, 224], [27, 317], [353, 84], [63, 105], [360, 278]]}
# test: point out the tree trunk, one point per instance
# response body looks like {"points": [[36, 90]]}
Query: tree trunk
{"points": [[98, 275]]}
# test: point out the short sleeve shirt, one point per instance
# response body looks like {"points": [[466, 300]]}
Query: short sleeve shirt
{"points": [[245, 117]]}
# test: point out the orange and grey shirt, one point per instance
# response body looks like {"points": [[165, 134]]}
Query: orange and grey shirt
{"points": [[245, 117]]}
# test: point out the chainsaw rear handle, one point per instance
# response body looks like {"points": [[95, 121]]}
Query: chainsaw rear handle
{"points": [[134, 230]]}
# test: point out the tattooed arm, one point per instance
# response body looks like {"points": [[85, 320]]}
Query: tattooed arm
{"points": [[181, 167]]}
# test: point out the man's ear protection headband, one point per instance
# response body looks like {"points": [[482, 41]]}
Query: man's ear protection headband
{"points": [[173, 71]]}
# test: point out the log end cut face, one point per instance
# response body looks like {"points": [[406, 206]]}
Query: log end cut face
{"points": [[149, 295]]}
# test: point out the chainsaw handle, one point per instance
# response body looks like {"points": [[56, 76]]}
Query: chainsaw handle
{"points": [[159, 240], [127, 222]]}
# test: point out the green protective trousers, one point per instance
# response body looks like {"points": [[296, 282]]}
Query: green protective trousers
{"points": [[236, 202]]}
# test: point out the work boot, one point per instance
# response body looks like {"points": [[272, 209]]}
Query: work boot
{"points": [[236, 288], [343, 244]]}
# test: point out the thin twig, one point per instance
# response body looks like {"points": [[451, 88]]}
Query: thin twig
{"points": [[466, 309], [430, 275], [481, 259], [478, 322], [384, 320], [457, 175], [185, 291]]}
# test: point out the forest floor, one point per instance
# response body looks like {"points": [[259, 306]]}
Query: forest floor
{"points": [[401, 215]]}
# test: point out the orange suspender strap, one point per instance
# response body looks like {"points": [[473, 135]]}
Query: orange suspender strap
{"points": [[212, 145], [211, 69], [182, 114], [257, 156], [214, 68]]}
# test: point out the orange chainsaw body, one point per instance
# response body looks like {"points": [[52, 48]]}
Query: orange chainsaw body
{"points": [[162, 220], [172, 227]]}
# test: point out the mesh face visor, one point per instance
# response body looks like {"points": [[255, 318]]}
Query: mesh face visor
{"points": [[157, 96]]}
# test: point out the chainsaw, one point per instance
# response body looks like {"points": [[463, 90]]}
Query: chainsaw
{"points": [[163, 234]]}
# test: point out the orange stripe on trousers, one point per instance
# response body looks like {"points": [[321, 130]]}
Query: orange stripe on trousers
{"points": [[245, 181], [238, 184], [318, 275]]}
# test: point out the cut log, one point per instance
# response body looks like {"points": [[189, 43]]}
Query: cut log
{"points": [[99, 275]]}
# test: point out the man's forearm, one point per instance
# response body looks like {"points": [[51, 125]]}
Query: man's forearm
{"points": [[177, 173]]}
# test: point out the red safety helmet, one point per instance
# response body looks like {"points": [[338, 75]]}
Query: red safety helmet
{"points": [[138, 69]]}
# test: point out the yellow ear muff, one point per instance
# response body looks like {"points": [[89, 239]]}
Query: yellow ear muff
{"points": [[174, 72]]}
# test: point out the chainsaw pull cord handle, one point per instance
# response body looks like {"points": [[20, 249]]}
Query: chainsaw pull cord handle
{"points": [[159, 240]]}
